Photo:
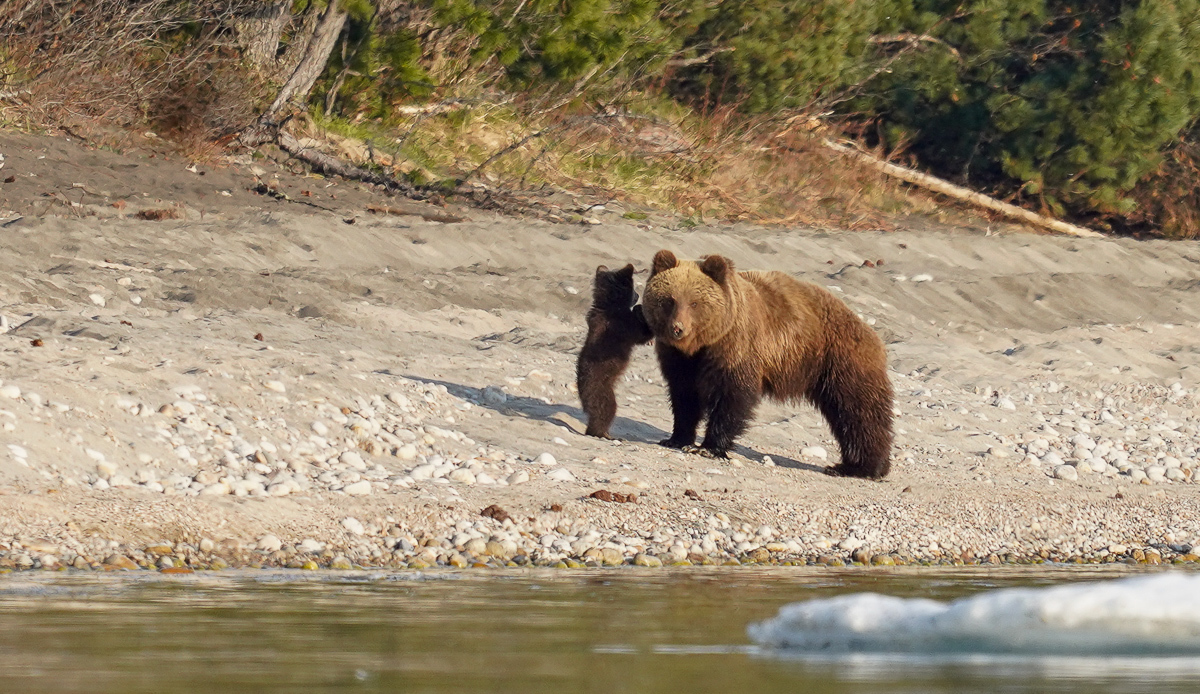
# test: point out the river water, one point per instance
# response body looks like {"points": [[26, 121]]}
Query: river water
{"points": [[616, 630]]}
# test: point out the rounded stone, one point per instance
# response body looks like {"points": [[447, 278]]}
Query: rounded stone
{"points": [[360, 488], [1066, 472], [612, 557], [353, 525], [352, 460]]}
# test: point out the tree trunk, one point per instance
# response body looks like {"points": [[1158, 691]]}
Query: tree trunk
{"points": [[296, 48], [324, 36], [259, 34]]}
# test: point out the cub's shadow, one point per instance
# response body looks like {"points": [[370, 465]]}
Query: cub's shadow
{"points": [[572, 419]]}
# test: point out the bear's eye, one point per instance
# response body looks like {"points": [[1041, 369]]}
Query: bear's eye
{"points": [[694, 304]]}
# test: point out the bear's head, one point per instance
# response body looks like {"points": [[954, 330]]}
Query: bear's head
{"points": [[689, 305], [613, 289]]}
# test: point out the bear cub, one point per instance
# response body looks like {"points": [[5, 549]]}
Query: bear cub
{"points": [[726, 339], [615, 326]]}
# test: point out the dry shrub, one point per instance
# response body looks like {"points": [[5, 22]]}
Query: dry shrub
{"points": [[130, 63], [159, 214], [1168, 201]]}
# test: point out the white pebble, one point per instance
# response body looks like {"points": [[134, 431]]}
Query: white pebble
{"points": [[311, 546], [560, 441], [923, 277], [319, 428], [361, 488], [10, 391], [818, 452], [484, 478], [545, 459], [399, 399], [462, 475], [18, 451], [353, 460], [269, 543], [97, 299], [276, 386], [1066, 472], [135, 299], [216, 489], [1052, 458], [518, 477], [422, 472], [353, 525], [561, 475], [406, 452]]}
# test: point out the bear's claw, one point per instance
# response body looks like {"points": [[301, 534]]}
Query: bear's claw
{"points": [[672, 443], [704, 452]]}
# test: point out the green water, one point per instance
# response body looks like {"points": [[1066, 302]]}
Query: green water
{"points": [[552, 631]]}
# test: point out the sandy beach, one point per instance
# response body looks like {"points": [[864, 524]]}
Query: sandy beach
{"points": [[301, 382]]}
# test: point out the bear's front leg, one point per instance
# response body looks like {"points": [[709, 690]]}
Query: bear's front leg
{"points": [[731, 405], [680, 371]]}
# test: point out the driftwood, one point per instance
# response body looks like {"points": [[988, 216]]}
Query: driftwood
{"points": [[412, 212], [948, 189], [330, 165]]}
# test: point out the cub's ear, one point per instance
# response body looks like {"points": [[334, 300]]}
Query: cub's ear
{"points": [[717, 267], [663, 260], [601, 270], [626, 272]]}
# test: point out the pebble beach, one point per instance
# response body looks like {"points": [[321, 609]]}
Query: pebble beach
{"points": [[257, 383]]}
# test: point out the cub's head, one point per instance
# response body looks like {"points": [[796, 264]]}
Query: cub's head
{"points": [[613, 289], [689, 305]]}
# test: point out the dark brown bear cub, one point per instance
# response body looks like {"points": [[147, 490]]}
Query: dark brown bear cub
{"points": [[725, 339], [615, 325]]}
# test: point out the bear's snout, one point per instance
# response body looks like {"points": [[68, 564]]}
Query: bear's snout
{"points": [[677, 330]]}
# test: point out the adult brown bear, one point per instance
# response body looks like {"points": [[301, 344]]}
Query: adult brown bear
{"points": [[725, 339]]}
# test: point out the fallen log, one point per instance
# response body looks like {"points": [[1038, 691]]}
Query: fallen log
{"points": [[948, 189], [330, 165]]}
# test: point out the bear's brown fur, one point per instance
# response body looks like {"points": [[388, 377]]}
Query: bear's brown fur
{"points": [[615, 325], [725, 339]]}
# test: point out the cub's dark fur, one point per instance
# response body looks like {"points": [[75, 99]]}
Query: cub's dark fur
{"points": [[615, 325]]}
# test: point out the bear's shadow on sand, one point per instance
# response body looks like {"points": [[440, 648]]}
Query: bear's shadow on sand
{"points": [[625, 429], [532, 408]]}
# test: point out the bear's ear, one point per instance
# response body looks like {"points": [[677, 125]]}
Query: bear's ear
{"points": [[663, 261], [626, 272], [601, 270], [717, 267]]}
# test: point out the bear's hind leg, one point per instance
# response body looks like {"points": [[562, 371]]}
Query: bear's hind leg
{"points": [[858, 408], [601, 409], [596, 383]]}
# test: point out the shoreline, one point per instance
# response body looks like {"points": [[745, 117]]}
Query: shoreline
{"points": [[289, 387]]}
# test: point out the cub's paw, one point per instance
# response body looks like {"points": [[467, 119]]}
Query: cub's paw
{"points": [[705, 452]]}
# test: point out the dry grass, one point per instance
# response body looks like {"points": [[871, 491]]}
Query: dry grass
{"points": [[653, 154]]}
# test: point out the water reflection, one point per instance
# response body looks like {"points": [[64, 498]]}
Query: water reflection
{"points": [[602, 631]]}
